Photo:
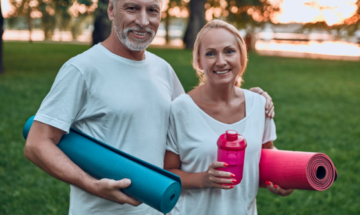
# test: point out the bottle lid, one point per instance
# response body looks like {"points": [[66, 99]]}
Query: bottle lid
{"points": [[231, 135], [231, 140]]}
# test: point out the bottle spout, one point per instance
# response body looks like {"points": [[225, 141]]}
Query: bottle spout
{"points": [[231, 135]]}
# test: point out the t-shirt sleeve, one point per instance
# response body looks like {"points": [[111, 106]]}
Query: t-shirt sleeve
{"points": [[171, 139], [65, 99], [269, 130], [177, 88]]}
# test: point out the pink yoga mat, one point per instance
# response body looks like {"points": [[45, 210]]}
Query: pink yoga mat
{"points": [[296, 170]]}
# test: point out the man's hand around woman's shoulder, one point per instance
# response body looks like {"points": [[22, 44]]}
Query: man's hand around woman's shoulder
{"points": [[269, 107]]}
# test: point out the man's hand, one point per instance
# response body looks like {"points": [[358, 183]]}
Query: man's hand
{"points": [[277, 190], [110, 189], [269, 107]]}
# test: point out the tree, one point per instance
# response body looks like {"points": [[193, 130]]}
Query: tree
{"points": [[196, 22], [25, 9], [242, 13], [1, 41], [102, 24], [54, 13], [345, 29]]}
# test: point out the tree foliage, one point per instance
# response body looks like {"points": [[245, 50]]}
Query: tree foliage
{"points": [[347, 28], [242, 13], [53, 13]]}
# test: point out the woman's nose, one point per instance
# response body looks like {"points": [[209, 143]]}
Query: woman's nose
{"points": [[220, 62]]}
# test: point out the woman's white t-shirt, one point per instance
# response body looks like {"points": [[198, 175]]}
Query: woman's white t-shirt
{"points": [[193, 135]]}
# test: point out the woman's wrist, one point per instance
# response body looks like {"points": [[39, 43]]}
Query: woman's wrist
{"points": [[202, 180]]}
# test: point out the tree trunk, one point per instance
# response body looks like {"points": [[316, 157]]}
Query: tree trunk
{"points": [[102, 24], [1, 41], [167, 24], [196, 22], [29, 23]]}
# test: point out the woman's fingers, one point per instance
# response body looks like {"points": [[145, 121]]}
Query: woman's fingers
{"points": [[217, 178], [283, 192], [220, 186], [218, 173], [218, 164], [277, 190], [222, 180]]}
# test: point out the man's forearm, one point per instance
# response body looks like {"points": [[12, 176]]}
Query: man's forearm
{"points": [[52, 160]]}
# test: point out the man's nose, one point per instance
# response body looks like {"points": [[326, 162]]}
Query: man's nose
{"points": [[142, 19]]}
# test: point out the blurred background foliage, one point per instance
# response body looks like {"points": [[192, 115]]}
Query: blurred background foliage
{"points": [[244, 14]]}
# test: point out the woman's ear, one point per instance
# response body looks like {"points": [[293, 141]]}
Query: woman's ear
{"points": [[199, 62]]}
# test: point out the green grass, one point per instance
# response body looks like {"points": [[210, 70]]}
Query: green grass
{"points": [[317, 109]]}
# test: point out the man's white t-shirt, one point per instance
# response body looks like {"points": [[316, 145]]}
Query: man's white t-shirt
{"points": [[193, 135], [121, 102]]}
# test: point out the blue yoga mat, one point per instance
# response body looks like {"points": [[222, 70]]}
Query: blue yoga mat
{"points": [[150, 184]]}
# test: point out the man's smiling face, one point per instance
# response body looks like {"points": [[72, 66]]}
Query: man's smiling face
{"points": [[135, 22]]}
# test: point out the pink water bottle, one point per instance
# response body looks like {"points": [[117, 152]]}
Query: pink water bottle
{"points": [[232, 151]]}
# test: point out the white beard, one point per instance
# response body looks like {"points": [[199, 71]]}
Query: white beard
{"points": [[138, 44]]}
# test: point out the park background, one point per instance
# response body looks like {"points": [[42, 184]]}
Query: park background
{"points": [[304, 53]]}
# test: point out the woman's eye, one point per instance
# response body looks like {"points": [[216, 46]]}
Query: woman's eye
{"points": [[230, 51], [209, 54]]}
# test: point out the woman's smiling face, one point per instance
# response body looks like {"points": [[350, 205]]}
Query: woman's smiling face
{"points": [[219, 56]]}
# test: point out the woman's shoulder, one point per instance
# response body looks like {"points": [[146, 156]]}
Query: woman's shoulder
{"points": [[254, 98], [255, 103], [181, 104]]}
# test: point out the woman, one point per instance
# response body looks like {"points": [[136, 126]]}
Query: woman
{"points": [[198, 118]]}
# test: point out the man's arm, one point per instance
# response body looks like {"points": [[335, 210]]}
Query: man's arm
{"points": [[41, 149]]}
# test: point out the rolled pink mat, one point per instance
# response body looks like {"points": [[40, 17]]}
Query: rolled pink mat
{"points": [[296, 170]]}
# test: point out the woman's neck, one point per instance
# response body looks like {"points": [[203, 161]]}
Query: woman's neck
{"points": [[223, 94]]}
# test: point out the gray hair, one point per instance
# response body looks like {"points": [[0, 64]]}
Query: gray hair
{"points": [[114, 1]]}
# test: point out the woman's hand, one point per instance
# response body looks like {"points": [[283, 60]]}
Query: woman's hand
{"points": [[269, 107], [277, 190], [216, 178]]}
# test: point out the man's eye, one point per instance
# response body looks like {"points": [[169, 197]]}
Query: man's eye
{"points": [[153, 11], [131, 8]]}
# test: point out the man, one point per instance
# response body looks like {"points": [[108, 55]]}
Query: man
{"points": [[117, 93]]}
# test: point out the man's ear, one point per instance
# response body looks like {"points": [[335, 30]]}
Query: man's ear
{"points": [[111, 10]]}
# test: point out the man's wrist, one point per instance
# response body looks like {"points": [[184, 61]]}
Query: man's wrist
{"points": [[90, 184]]}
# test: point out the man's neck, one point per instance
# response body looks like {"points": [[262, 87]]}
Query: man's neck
{"points": [[113, 44]]}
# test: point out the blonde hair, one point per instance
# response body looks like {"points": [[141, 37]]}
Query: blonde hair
{"points": [[243, 54]]}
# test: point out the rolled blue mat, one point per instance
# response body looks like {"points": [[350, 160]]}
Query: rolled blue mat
{"points": [[150, 184]]}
